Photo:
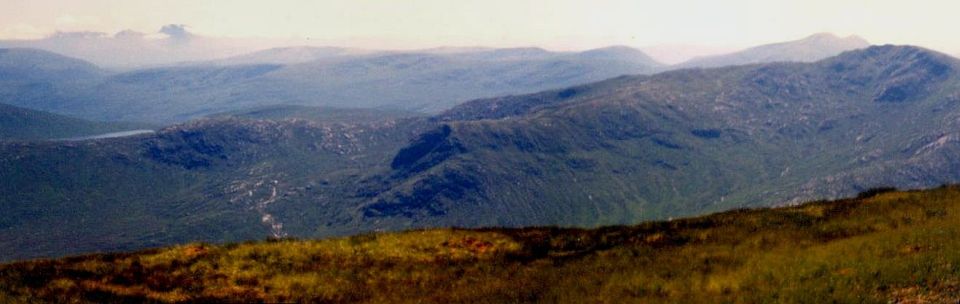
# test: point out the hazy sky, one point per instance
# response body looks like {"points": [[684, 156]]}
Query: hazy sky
{"points": [[554, 24]]}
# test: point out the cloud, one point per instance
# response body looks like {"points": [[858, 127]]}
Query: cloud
{"points": [[176, 31], [129, 35], [76, 23], [22, 31], [78, 35]]}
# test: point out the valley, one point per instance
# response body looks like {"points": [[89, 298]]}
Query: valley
{"points": [[615, 152]]}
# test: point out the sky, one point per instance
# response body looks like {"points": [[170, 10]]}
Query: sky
{"points": [[552, 24]]}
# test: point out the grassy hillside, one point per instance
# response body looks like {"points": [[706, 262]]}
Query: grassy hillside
{"points": [[884, 246], [23, 124]]}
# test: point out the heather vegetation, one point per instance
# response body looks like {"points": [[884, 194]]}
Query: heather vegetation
{"points": [[880, 247]]}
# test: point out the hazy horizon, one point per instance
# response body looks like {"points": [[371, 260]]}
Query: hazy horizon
{"points": [[703, 27]]}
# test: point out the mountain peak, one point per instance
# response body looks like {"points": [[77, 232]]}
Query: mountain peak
{"points": [[42, 60], [824, 35], [811, 48], [620, 52], [832, 38], [890, 53], [901, 73], [176, 31]]}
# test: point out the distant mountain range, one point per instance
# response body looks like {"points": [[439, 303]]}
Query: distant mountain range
{"points": [[127, 50], [618, 151], [425, 82], [285, 55], [175, 45], [428, 81]]}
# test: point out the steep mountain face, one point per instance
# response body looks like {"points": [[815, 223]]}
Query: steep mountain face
{"points": [[682, 143], [22, 124], [215, 180], [809, 49], [415, 81], [619, 151]]}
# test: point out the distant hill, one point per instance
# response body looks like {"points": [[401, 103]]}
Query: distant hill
{"points": [[809, 49], [881, 247], [618, 53], [23, 124], [127, 50], [288, 55], [428, 81], [32, 64], [418, 82], [43, 80]]}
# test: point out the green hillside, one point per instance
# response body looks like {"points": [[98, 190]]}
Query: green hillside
{"points": [[24, 124], [211, 180], [883, 246]]}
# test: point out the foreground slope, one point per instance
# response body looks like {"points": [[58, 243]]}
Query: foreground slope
{"points": [[884, 246]]}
